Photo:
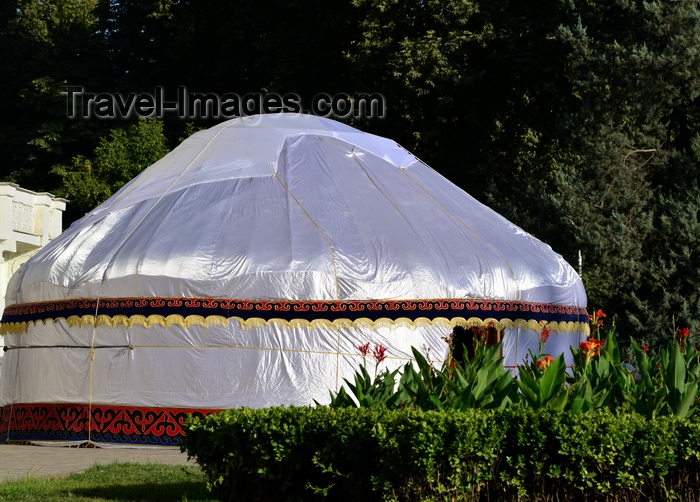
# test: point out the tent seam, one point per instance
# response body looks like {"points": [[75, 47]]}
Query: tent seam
{"points": [[323, 234], [104, 274], [515, 278]]}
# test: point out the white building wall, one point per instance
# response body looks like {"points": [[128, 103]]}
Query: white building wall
{"points": [[28, 221]]}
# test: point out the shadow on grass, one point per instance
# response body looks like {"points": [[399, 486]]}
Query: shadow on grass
{"points": [[182, 490], [131, 482]]}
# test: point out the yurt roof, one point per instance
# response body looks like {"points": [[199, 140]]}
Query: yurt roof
{"points": [[295, 207]]}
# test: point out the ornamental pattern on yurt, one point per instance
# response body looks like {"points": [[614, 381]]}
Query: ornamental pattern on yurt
{"points": [[41, 422], [204, 311]]}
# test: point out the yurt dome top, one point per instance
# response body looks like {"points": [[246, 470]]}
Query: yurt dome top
{"points": [[245, 147]]}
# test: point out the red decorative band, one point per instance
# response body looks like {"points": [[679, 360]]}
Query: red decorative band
{"points": [[290, 310], [112, 424]]}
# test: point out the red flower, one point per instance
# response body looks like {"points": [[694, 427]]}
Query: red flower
{"points": [[544, 335], [683, 333], [599, 315], [545, 361], [645, 348], [379, 353], [364, 349], [479, 334]]}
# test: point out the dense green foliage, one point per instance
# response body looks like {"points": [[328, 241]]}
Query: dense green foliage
{"points": [[665, 382], [577, 120], [505, 454]]}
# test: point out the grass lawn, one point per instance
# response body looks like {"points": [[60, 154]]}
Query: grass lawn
{"points": [[115, 482]]}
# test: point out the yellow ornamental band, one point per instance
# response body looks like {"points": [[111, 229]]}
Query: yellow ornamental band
{"points": [[255, 322]]}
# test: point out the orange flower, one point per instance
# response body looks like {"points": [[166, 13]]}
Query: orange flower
{"points": [[544, 361], [479, 334], [592, 347]]}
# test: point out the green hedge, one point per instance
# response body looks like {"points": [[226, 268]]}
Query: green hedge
{"points": [[366, 454]]}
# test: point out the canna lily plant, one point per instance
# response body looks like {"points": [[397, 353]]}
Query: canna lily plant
{"points": [[669, 380], [541, 383], [663, 382]]}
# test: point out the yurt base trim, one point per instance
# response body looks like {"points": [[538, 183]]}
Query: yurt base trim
{"points": [[69, 424]]}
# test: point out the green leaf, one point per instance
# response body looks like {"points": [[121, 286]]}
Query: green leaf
{"points": [[580, 405], [558, 402], [529, 389], [684, 409], [675, 377], [436, 402], [552, 380]]}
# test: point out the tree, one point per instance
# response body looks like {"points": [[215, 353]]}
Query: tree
{"points": [[632, 67], [47, 44], [116, 160], [42, 20]]}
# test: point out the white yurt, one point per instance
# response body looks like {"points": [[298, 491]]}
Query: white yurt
{"points": [[246, 267]]}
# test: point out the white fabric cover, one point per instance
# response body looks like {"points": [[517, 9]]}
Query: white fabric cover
{"points": [[268, 207]]}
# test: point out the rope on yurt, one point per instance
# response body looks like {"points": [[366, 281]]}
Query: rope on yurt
{"points": [[116, 252], [12, 402], [337, 364], [92, 365], [466, 225], [403, 170], [335, 269], [323, 234]]}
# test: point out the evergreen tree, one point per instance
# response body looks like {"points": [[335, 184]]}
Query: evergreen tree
{"points": [[633, 68]]}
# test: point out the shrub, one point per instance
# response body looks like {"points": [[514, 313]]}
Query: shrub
{"points": [[471, 431], [515, 453]]}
